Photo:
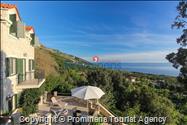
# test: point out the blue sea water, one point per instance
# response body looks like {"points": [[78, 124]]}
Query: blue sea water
{"points": [[150, 68]]}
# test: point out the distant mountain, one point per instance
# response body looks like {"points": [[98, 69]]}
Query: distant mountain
{"points": [[49, 59]]}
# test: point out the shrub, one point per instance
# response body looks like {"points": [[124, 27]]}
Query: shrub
{"points": [[29, 100]]}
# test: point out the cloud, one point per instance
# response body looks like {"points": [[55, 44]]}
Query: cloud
{"points": [[117, 38], [121, 46]]}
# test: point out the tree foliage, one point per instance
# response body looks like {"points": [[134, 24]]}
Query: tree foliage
{"points": [[29, 100], [179, 59]]}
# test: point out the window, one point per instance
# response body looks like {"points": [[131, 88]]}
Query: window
{"points": [[13, 26], [31, 64], [13, 66], [10, 66], [33, 39]]}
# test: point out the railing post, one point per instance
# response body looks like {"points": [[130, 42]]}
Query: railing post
{"points": [[39, 75], [45, 96]]}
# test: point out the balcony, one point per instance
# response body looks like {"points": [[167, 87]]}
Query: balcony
{"points": [[33, 79]]}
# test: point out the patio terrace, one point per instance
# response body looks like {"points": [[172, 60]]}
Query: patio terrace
{"points": [[92, 109]]}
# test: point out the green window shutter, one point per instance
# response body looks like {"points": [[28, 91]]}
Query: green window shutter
{"points": [[33, 39], [29, 65], [7, 67], [12, 18], [13, 27], [33, 65], [25, 65], [20, 70], [11, 66], [19, 66]]}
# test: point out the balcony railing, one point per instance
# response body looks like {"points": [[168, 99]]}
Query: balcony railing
{"points": [[32, 79], [39, 75]]}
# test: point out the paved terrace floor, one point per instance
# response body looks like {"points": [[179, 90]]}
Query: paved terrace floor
{"points": [[73, 105]]}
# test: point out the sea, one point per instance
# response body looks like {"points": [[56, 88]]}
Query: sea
{"points": [[149, 68]]}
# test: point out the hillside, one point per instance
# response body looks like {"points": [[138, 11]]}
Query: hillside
{"points": [[146, 95], [50, 59]]}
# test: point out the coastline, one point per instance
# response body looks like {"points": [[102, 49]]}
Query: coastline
{"points": [[146, 68]]}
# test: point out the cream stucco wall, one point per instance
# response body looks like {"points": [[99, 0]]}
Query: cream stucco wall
{"points": [[11, 46], [15, 47]]}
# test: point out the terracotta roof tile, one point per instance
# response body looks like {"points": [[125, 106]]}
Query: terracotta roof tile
{"points": [[28, 28], [10, 6]]}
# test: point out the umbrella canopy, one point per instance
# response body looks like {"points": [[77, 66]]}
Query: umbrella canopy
{"points": [[87, 92]]}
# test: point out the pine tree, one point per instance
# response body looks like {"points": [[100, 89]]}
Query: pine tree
{"points": [[179, 59]]}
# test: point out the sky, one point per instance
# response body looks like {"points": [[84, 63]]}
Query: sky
{"points": [[120, 31]]}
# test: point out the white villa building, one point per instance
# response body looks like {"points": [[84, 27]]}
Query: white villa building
{"points": [[17, 46]]}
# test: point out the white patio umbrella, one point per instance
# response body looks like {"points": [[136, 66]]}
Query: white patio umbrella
{"points": [[87, 92]]}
